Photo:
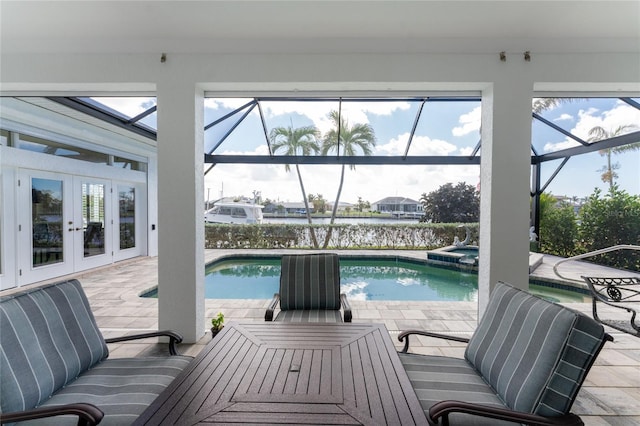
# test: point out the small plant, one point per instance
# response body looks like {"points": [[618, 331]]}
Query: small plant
{"points": [[217, 322]]}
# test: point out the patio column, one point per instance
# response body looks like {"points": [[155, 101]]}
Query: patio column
{"points": [[181, 208], [504, 178]]}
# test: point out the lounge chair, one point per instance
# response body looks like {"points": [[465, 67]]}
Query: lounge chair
{"points": [[619, 292], [525, 363], [309, 290]]}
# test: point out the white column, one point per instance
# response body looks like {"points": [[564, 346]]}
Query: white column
{"points": [[180, 209], [505, 183]]}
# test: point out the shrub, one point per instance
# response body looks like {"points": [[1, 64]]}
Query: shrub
{"points": [[558, 231], [609, 220], [344, 236]]}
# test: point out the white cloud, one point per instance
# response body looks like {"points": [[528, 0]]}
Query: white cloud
{"points": [[126, 105], [564, 117], [317, 112], [231, 103], [558, 146], [420, 145], [371, 182], [621, 115], [470, 122]]}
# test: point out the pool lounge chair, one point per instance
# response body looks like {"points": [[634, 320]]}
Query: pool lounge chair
{"points": [[618, 292], [524, 364], [309, 290]]}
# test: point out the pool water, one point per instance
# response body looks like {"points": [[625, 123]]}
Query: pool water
{"points": [[361, 279], [466, 251]]}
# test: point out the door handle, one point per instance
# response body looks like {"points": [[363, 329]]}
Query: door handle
{"points": [[77, 229]]}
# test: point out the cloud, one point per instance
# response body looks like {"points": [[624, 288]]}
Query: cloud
{"points": [[229, 103], [564, 117], [126, 105], [559, 146], [420, 145], [371, 182], [318, 111], [622, 114], [470, 122]]}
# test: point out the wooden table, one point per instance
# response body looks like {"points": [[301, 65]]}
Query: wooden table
{"points": [[292, 373]]}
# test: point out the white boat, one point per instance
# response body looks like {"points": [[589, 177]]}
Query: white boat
{"points": [[234, 213]]}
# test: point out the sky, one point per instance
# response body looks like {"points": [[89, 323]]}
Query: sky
{"points": [[444, 128]]}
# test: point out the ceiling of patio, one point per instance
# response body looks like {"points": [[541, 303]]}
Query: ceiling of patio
{"points": [[472, 26]]}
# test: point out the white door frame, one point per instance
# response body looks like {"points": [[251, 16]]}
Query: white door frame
{"points": [[139, 221], [27, 273]]}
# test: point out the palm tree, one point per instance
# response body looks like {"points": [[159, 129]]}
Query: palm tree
{"points": [[360, 137], [599, 133], [297, 141]]}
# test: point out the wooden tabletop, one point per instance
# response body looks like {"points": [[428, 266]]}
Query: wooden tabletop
{"points": [[292, 373]]}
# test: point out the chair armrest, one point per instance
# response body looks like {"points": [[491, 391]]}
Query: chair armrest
{"points": [[268, 316], [405, 335], [88, 414], [174, 338], [346, 307], [442, 410]]}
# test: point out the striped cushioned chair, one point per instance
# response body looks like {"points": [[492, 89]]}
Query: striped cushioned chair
{"points": [[53, 358], [310, 290], [524, 363]]}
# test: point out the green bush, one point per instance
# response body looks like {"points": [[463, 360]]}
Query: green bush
{"points": [[558, 231], [343, 236], [608, 220]]}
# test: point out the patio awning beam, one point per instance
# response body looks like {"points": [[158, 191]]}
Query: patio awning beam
{"points": [[552, 177], [101, 114], [237, 123], [230, 114], [631, 102], [143, 115], [264, 128], [614, 142], [348, 160], [413, 129], [398, 99], [559, 129]]}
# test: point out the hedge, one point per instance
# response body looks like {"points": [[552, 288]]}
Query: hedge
{"points": [[344, 236]]}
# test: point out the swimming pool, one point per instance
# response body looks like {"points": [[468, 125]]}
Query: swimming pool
{"points": [[374, 279]]}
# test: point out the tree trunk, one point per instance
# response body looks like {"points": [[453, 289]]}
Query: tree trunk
{"points": [[312, 231], [334, 210], [609, 170]]}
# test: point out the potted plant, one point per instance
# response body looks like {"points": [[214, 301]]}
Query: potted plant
{"points": [[217, 324]]}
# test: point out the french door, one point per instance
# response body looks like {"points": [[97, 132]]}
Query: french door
{"points": [[74, 223]]}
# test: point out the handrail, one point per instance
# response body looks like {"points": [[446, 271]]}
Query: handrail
{"points": [[590, 254]]}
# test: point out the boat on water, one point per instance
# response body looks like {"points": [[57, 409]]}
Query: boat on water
{"points": [[243, 213]]}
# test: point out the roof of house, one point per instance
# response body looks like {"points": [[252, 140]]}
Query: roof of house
{"points": [[397, 200]]}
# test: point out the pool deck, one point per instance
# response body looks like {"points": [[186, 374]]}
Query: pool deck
{"points": [[610, 395]]}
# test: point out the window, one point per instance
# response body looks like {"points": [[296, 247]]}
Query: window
{"points": [[35, 144]]}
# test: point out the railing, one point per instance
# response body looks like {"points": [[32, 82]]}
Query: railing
{"points": [[591, 254]]}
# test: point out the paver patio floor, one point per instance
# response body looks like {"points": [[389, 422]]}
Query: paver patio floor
{"points": [[610, 395]]}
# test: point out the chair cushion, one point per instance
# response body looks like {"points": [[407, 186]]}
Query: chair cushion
{"points": [[121, 388], [310, 281], [49, 337], [315, 315], [437, 378], [534, 353]]}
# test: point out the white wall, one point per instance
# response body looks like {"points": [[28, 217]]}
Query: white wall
{"points": [[506, 88], [36, 120]]}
